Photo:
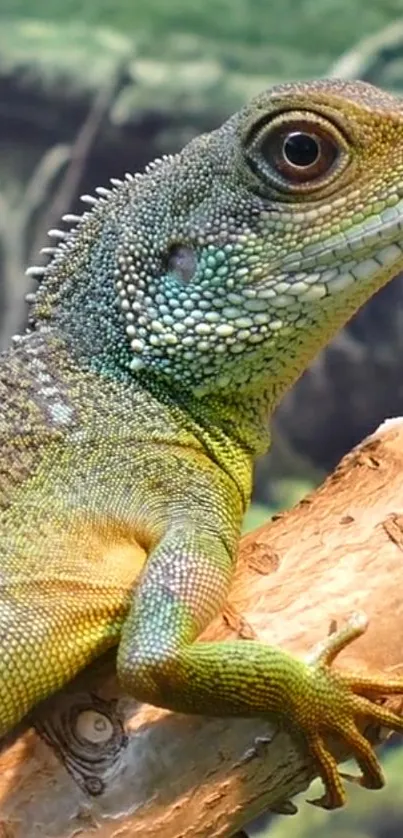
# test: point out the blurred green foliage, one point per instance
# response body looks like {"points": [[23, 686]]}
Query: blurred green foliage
{"points": [[257, 515], [332, 24], [275, 38]]}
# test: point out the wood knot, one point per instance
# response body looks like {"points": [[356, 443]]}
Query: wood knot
{"points": [[87, 735]]}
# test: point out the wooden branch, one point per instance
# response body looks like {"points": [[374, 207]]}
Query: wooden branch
{"points": [[135, 770]]}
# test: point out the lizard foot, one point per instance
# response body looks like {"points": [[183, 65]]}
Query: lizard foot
{"points": [[344, 699]]}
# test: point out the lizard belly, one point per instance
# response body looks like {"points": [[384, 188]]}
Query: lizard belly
{"points": [[63, 599]]}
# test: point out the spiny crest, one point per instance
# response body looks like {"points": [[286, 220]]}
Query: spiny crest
{"points": [[66, 238]]}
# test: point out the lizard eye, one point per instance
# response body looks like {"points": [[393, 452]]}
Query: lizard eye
{"points": [[296, 151], [299, 153]]}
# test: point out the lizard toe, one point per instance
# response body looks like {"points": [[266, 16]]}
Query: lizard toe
{"points": [[334, 796]]}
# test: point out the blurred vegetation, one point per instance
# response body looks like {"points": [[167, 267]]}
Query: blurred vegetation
{"points": [[278, 37], [181, 67]]}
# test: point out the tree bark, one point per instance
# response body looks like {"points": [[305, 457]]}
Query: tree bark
{"points": [[99, 764]]}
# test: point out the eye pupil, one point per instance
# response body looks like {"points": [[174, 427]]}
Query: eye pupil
{"points": [[301, 149]]}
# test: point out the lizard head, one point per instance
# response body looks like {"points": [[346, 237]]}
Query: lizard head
{"points": [[226, 267]]}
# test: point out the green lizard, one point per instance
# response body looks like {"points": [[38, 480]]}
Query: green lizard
{"points": [[170, 320]]}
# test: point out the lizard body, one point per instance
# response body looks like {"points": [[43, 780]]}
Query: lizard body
{"points": [[165, 329]]}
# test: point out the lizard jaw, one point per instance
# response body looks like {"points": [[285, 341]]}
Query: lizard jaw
{"points": [[367, 239], [371, 250]]}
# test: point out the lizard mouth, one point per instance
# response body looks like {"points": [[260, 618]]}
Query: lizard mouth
{"points": [[373, 244], [371, 249]]}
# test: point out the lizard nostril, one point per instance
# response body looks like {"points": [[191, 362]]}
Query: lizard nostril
{"points": [[181, 261]]}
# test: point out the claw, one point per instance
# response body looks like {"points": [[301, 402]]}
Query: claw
{"points": [[287, 807], [334, 796], [337, 640], [326, 802]]}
